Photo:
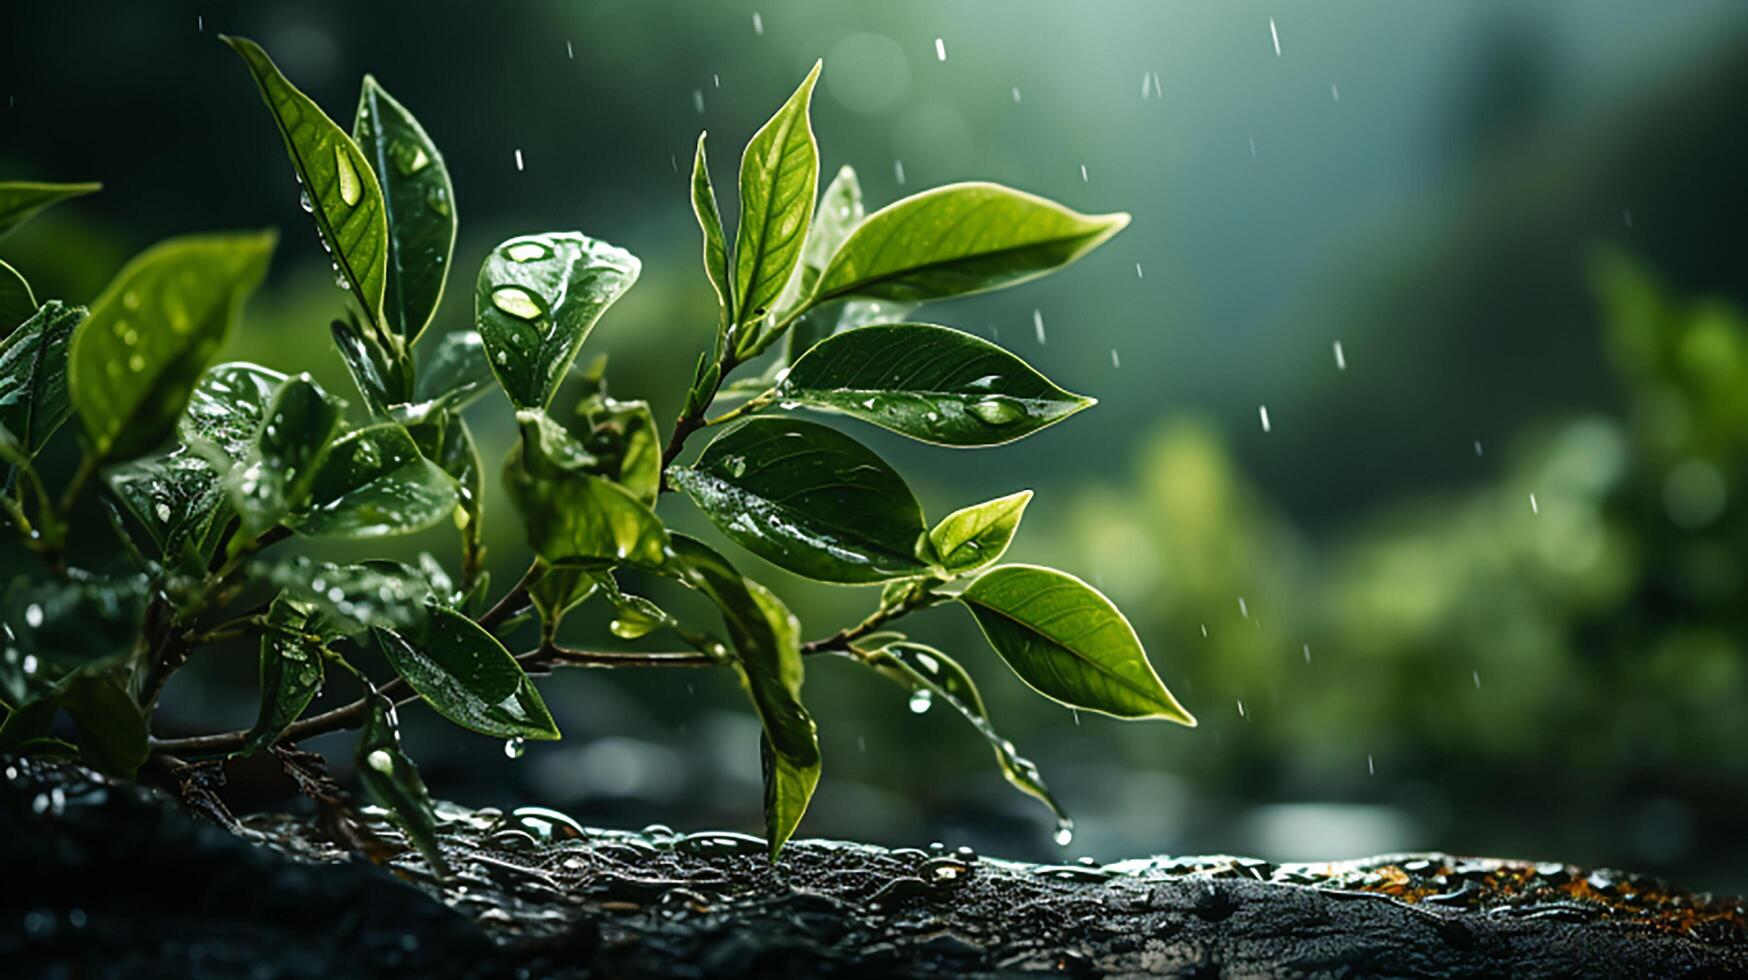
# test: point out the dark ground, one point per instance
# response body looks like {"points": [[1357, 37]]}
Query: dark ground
{"points": [[121, 881]]}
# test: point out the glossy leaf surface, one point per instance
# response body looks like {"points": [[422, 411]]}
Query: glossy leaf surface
{"points": [[536, 300], [379, 375], [17, 302], [112, 730], [282, 463], [339, 185], [809, 499], [419, 204], [226, 408], [958, 239], [22, 200], [373, 483], [151, 332], [779, 176], [356, 598], [290, 671], [178, 498], [467, 676], [709, 216], [976, 536], [1069, 643], [572, 514], [454, 373], [33, 375], [930, 383], [622, 437], [393, 782]]}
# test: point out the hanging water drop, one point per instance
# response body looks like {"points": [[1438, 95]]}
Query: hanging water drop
{"points": [[303, 201], [350, 189], [921, 700], [515, 748], [1064, 835]]}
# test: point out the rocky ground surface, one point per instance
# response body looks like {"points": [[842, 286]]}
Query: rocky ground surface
{"points": [[121, 881]]}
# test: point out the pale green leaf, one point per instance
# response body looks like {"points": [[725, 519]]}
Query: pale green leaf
{"points": [[779, 176], [22, 200], [976, 536]]}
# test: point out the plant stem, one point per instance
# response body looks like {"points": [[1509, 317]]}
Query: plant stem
{"points": [[513, 601]]}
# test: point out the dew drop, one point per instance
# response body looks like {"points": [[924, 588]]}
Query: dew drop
{"points": [[516, 301], [437, 199], [527, 252], [996, 410], [350, 189], [515, 748], [921, 700], [33, 616], [303, 201], [410, 158]]}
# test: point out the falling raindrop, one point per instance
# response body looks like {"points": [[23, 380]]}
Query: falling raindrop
{"points": [[1064, 835], [1535, 508], [898, 171], [1262, 412], [1477, 676], [1340, 357], [921, 700], [1083, 173], [1038, 325], [1243, 608], [1477, 447], [1253, 148], [518, 159], [515, 748], [1334, 92], [1276, 35], [698, 100], [1241, 713], [569, 51], [1016, 95], [758, 24], [940, 49], [1116, 361], [1371, 767], [1307, 653]]}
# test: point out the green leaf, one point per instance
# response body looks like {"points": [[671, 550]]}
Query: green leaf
{"points": [[338, 182], [623, 439], [767, 640], [779, 176], [715, 243], [958, 239], [419, 203], [634, 615], [33, 375], [276, 476], [381, 377], [135, 359], [291, 670], [454, 374], [392, 780], [930, 383], [1069, 643], [467, 676], [180, 501], [809, 499], [112, 729], [22, 200], [226, 408], [373, 483], [446, 440], [570, 512], [17, 302], [931, 675], [58, 627], [840, 212], [355, 598], [537, 298], [979, 535], [562, 588]]}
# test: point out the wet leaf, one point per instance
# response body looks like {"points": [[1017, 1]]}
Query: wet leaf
{"points": [[976, 536], [779, 176], [562, 588], [958, 239], [281, 466], [446, 439], [291, 669], [715, 243], [22, 200], [33, 375], [419, 204], [338, 182], [840, 212], [17, 302], [373, 483], [1069, 643], [58, 627], [920, 668], [354, 598], [380, 377], [930, 383], [392, 780], [152, 331], [767, 642], [180, 501], [623, 439], [809, 499], [454, 374], [226, 408], [570, 512], [537, 298], [112, 730], [467, 676]]}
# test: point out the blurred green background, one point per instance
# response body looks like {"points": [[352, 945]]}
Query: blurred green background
{"points": [[1480, 586]]}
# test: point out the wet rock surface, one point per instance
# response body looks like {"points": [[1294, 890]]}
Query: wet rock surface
{"points": [[106, 880]]}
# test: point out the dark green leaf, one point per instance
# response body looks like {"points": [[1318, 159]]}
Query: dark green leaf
{"points": [[779, 176], [178, 499], [379, 375], [420, 207], [17, 302], [135, 359], [33, 375], [570, 512], [354, 598], [931, 383], [809, 499], [537, 298], [562, 588], [446, 440], [979, 535], [1069, 643], [112, 730], [22, 200], [467, 676], [958, 239], [373, 483], [623, 439], [58, 627], [634, 615], [226, 408], [455, 372], [931, 675], [339, 186], [276, 476], [291, 670], [715, 243], [767, 641], [392, 780]]}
